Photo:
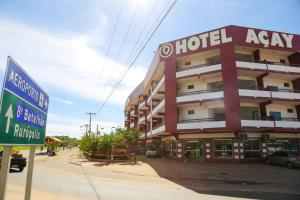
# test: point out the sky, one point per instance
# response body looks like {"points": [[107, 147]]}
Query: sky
{"points": [[63, 45]]}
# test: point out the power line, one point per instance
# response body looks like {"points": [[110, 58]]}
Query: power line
{"points": [[120, 49], [134, 49], [135, 58], [151, 28], [110, 44]]}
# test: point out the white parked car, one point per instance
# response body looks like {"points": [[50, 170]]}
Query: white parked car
{"points": [[151, 153]]}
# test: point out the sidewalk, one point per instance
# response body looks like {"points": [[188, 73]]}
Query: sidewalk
{"points": [[225, 172]]}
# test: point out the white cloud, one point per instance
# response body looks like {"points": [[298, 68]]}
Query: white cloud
{"points": [[62, 125], [63, 101], [65, 63]]}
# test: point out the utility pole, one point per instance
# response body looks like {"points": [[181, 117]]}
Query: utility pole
{"points": [[86, 128], [97, 131], [90, 126]]}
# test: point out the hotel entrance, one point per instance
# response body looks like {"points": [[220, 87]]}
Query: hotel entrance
{"points": [[193, 150]]}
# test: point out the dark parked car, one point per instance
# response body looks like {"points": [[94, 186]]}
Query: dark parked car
{"points": [[17, 160], [286, 158]]}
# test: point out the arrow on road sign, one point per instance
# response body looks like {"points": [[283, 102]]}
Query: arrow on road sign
{"points": [[9, 115]]}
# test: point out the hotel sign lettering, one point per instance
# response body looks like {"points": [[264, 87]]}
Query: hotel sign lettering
{"points": [[276, 39], [195, 42], [222, 36]]}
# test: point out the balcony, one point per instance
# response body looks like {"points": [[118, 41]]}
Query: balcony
{"points": [[269, 122], [257, 123], [255, 92], [268, 93], [201, 123], [158, 107], [198, 69], [132, 125], [132, 113], [200, 95], [142, 104], [157, 130], [271, 66], [158, 85], [286, 94], [141, 120], [288, 123]]}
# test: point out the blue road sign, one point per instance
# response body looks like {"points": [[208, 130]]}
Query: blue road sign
{"points": [[24, 108], [22, 85]]}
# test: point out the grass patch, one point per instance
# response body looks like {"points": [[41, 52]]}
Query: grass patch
{"points": [[20, 148]]}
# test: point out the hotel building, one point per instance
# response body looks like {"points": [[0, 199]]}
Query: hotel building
{"points": [[230, 94]]}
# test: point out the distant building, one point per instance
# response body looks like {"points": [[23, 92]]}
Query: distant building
{"points": [[228, 94]]}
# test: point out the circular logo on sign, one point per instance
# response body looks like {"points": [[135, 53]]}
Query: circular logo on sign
{"points": [[166, 50]]}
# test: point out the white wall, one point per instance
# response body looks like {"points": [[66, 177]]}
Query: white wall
{"points": [[201, 111], [199, 84], [196, 59], [277, 82], [273, 56]]}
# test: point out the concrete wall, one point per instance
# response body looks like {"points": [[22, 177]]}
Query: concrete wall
{"points": [[283, 109], [199, 84], [201, 111]]}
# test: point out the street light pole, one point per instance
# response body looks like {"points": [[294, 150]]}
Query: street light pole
{"points": [[90, 126]]}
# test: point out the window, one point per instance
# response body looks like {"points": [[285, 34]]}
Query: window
{"points": [[290, 110], [276, 115], [283, 145], [190, 87], [286, 84], [213, 60], [272, 88], [244, 57], [223, 148], [249, 113], [215, 86], [246, 84], [193, 150], [251, 149], [187, 63], [191, 112]]}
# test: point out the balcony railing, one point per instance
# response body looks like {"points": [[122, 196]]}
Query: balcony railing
{"points": [[200, 95], [142, 104], [141, 119], [197, 66], [270, 93], [267, 65], [200, 91], [202, 120], [158, 129], [159, 104], [203, 123], [270, 122], [271, 89], [197, 69], [275, 63], [159, 125], [158, 84]]}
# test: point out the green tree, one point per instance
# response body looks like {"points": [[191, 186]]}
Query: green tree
{"points": [[131, 138]]}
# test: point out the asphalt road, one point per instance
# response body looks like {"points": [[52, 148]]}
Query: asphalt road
{"points": [[62, 178]]}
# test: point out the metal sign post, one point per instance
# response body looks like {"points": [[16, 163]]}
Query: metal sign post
{"points": [[23, 117], [29, 173], [5, 165]]}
